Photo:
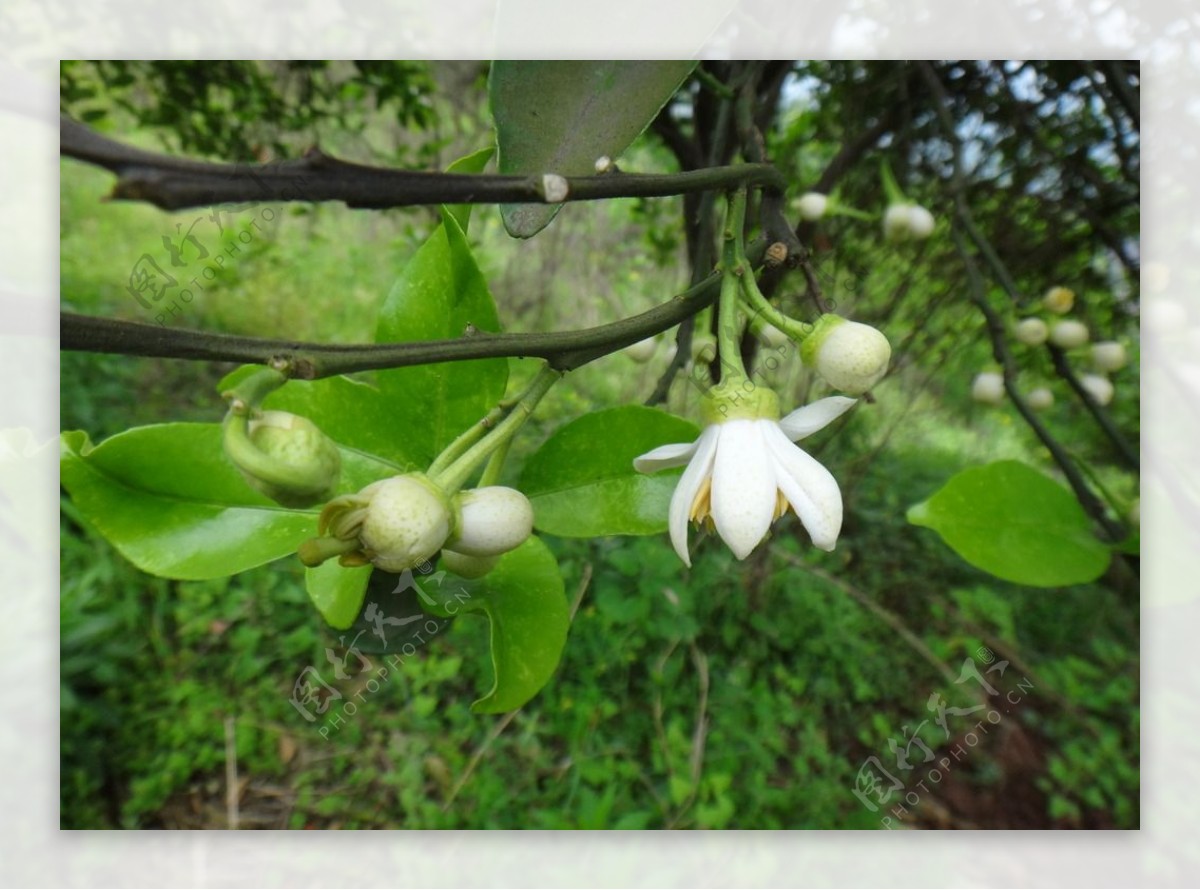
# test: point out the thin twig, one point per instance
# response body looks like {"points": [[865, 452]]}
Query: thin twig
{"points": [[174, 183]]}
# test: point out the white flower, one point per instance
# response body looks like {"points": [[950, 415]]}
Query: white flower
{"points": [[742, 474], [902, 221], [491, 521], [848, 355]]}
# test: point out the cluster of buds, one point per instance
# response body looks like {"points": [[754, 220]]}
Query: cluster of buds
{"points": [[1107, 356], [403, 522]]}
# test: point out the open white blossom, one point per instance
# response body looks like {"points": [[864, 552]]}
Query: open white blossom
{"points": [[744, 473]]}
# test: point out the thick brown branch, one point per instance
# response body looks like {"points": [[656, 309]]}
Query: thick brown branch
{"points": [[174, 183]]}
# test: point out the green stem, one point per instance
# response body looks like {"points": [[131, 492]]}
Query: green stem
{"points": [[732, 271], [757, 304], [458, 447], [451, 478], [495, 464], [250, 392]]}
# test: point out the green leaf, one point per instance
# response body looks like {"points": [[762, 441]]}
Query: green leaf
{"points": [[559, 117], [439, 295], [392, 616], [472, 163], [582, 483], [171, 502], [525, 603], [337, 592], [1010, 520]]}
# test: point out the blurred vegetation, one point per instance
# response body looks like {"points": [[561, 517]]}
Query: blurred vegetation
{"points": [[731, 695]]}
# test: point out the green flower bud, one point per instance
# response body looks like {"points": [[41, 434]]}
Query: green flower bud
{"points": [[850, 356], [492, 521], [812, 205], [284, 456]]}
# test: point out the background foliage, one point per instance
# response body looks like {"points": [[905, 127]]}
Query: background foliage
{"points": [[733, 695]]}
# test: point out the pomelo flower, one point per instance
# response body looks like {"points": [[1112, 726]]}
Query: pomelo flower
{"points": [[744, 472]]}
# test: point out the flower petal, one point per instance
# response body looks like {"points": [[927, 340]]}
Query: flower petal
{"points": [[665, 456], [743, 486], [809, 487], [807, 420], [693, 477]]}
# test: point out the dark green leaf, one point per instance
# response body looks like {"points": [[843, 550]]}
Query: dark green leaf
{"points": [[559, 117], [1010, 520], [582, 482], [387, 610]]}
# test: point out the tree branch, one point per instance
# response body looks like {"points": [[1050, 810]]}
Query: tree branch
{"points": [[565, 351], [1064, 370], [174, 183]]}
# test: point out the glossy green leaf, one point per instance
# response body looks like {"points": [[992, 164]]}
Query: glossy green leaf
{"points": [[524, 600], [337, 592], [472, 163], [1012, 521], [582, 483], [170, 501], [559, 117], [439, 295]]}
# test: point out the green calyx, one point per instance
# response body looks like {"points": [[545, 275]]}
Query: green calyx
{"points": [[739, 398], [821, 330]]}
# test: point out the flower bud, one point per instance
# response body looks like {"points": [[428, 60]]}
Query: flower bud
{"points": [[492, 520], [1059, 300], [469, 567], [284, 456], [1031, 331], [1098, 387], [1069, 334], [1039, 399], [850, 356], [641, 351], [988, 388], [920, 222], [407, 521], [904, 221], [812, 205], [1108, 355]]}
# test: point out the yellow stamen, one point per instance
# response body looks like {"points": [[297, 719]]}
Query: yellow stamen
{"points": [[702, 504]]}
